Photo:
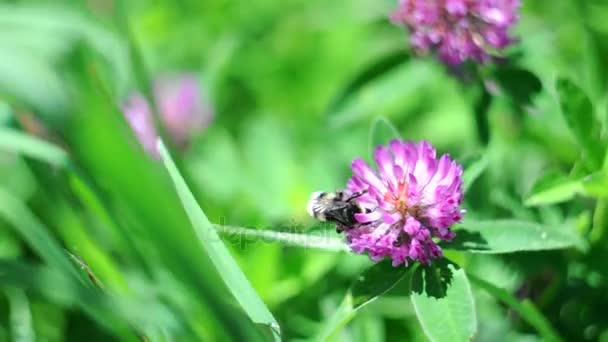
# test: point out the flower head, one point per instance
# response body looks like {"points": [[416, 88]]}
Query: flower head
{"points": [[183, 112], [458, 29], [412, 199]]}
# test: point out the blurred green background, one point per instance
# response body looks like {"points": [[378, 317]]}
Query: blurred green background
{"points": [[295, 88]]}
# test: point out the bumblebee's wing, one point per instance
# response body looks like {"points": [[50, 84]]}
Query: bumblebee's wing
{"points": [[319, 203]]}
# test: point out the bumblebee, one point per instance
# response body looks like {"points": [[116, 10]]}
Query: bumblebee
{"points": [[337, 207]]}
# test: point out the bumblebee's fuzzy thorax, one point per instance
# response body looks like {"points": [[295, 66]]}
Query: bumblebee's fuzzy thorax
{"points": [[337, 207]]}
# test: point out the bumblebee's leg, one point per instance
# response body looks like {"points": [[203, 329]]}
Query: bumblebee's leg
{"points": [[355, 195]]}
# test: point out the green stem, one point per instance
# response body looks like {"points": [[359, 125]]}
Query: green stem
{"points": [[322, 242]]}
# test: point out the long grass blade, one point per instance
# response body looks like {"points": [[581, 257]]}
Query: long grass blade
{"points": [[226, 266]]}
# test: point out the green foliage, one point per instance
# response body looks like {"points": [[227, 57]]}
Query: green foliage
{"points": [[520, 85], [526, 308], [367, 287], [507, 236], [554, 188], [579, 113], [232, 275], [473, 168], [101, 241], [17, 215], [444, 303], [17, 142]]}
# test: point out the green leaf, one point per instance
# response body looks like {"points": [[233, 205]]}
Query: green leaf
{"points": [[379, 67], [33, 81], [451, 315], [525, 308], [553, 187], [60, 273], [17, 142], [371, 284], [45, 32], [381, 132], [578, 111], [38, 237], [596, 185], [16, 176], [375, 281], [6, 113], [388, 94], [22, 329], [226, 266], [473, 168], [507, 236], [113, 313], [520, 85], [504, 200]]}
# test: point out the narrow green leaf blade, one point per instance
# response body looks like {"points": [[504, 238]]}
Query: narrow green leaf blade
{"points": [[33, 81], [507, 236], [22, 329], [389, 94], [450, 317], [38, 237], [17, 142], [368, 74], [553, 188], [578, 111], [596, 185], [473, 168], [556, 188], [525, 309], [116, 314], [226, 266]]}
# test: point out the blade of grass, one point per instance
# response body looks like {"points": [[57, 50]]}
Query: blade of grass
{"points": [[22, 329], [16, 213], [226, 266], [111, 312], [17, 142], [99, 285]]}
